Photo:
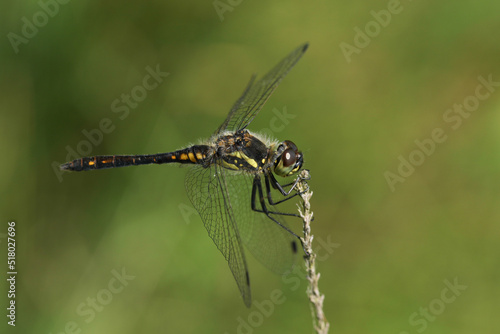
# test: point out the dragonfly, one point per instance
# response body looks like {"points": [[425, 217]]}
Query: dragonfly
{"points": [[231, 180]]}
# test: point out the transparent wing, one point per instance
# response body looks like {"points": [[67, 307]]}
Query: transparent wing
{"points": [[268, 242], [257, 93], [207, 190]]}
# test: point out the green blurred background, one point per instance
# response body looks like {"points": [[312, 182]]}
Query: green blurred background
{"points": [[392, 250]]}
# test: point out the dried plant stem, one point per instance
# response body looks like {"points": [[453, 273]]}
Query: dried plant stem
{"points": [[320, 322]]}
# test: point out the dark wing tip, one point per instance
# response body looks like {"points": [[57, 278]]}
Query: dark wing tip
{"points": [[247, 299]]}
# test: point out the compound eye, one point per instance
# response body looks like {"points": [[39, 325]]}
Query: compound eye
{"points": [[288, 158]]}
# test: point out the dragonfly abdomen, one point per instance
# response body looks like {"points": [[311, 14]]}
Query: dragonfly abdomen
{"points": [[191, 155]]}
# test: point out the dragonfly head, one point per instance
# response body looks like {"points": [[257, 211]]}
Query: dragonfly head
{"points": [[288, 159]]}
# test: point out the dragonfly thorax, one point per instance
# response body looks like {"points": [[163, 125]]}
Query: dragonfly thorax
{"points": [[241, 151]]}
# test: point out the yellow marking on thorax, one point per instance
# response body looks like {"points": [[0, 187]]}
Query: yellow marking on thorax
{"points": [[228, 165], [243, 156], [199, 156]]}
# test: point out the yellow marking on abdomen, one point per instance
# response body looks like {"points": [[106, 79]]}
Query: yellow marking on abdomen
{"points": [[174, 157], [91, 163], [184, 156], [199, 156], [191, 157]]}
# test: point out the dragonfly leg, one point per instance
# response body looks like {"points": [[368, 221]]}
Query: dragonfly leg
{"points": [[270, 178], [257, 190]]}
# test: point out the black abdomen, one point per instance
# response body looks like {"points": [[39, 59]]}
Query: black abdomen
{"points": [[191, 155]]}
